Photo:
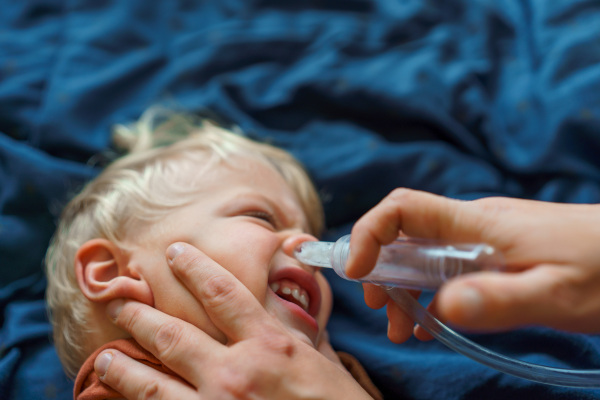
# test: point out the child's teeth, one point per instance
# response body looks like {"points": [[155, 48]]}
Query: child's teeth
{"points": [[296, 293], [300, 297], [303, 301]]}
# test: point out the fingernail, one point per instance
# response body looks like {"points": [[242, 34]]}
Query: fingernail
{"points": [[472, 303], [174, 250], [114, 308], [102, 363]]}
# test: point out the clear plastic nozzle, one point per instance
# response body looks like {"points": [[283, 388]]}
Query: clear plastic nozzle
{"points": [[426, 264], [422, 264]]}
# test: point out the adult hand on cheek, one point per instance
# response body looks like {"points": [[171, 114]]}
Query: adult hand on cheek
{"points": [[262, 360], [551, 251]]}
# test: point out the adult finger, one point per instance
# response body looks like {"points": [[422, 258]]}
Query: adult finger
{"points": [[229, 304], [561, 297], [375, 296], [415, 213], [135, 380], [179, 345], [400, 325]]}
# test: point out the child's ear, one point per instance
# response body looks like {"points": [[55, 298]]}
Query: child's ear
{"points": [[103, 275]]}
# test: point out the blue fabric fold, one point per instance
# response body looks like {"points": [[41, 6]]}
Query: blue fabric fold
{"points": [[462, 98]]}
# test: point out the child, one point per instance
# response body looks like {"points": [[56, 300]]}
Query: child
{"points": [[246, 205]]}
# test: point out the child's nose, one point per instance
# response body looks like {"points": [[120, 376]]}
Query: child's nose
{"points": [[292, 242]]}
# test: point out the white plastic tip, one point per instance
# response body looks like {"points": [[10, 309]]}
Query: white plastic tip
{"points": [[317, 254]]}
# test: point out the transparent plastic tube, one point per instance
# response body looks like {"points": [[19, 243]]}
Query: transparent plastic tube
{"points": [[426, 264], [586, 379], [409, 263]]}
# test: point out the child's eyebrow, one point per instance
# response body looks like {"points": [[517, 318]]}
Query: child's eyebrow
{"points": [[277, 210]]}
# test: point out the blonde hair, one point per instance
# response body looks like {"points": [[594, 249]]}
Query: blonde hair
{"points": [[141, 186]]}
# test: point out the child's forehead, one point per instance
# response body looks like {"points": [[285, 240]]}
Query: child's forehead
{"points": [[233, 170], [238, 184], [189, 180]]}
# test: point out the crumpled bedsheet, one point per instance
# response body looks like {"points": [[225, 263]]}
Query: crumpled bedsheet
{"points": [[462, 98]]}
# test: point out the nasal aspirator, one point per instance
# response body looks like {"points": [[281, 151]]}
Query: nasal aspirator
{"points": [[409, 263], [425, 264]]}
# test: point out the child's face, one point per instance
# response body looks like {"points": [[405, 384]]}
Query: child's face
{"points": [[248, 220]]}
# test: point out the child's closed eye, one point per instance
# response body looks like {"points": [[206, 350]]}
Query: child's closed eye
{"points": [[264, 216]]}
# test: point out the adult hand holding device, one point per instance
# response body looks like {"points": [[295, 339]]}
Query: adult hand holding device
{"points": [[552, 250]]}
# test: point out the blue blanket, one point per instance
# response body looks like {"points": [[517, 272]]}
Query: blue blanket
{"points": [[466, 98]]}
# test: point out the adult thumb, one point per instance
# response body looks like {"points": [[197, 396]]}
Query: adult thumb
{"points": [[546, 295]]}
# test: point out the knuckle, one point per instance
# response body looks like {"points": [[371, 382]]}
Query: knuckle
{"points": [[279, 345], [128, 320], [150, 392], [239, 381], [401, 195], [219, 290], [239, 384], [167, 338]]}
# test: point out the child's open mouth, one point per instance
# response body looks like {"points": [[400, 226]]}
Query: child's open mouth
{"points": [[291, 291], [298, 287]]}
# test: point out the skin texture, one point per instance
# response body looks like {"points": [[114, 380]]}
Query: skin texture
{"points": [[553, 274], [245, 218], [551, 251], [262, 358], [211, 315]]}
